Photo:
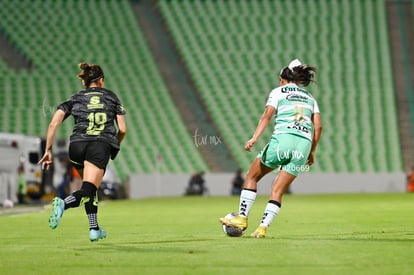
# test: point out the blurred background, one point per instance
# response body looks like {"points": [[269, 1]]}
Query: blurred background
{"points": [[194, 76]]}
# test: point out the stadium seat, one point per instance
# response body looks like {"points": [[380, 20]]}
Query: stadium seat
{"points": [[234, 55], [233, 51], [53, 36]]}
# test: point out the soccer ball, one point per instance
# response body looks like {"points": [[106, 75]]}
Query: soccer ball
{"points": [[8, 203], [232, 231]]}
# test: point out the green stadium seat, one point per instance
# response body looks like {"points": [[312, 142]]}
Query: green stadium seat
{"points": [[233, 51], [56, 48]]}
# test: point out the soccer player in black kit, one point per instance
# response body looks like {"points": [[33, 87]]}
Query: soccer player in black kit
{"points": [[98, 131]]}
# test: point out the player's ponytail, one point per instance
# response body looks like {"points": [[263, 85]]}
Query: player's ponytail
{"points": [[304, 74], [90, 73], [297, 72]]}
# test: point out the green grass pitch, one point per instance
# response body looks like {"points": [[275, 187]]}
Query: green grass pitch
{"points": [[313, 234]]}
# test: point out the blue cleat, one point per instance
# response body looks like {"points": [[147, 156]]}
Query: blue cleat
{"points": [[58, 207], [96, 235]]}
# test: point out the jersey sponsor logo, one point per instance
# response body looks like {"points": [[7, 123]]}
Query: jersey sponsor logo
{"points": [[297, 97], [95, 103], [298, 127], [292, 89]]}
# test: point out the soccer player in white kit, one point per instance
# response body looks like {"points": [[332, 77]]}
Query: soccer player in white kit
{"points": [[292, 146]]}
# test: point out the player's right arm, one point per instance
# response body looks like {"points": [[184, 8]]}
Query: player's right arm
{"points": [[263, 123], [57, 119], [270, 110]]}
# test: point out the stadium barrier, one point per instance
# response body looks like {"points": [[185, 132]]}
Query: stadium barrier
{"points": [[219, 184]]}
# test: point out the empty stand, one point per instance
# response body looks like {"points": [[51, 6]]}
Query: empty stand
{"points": [[235, 50], [56, 36]]}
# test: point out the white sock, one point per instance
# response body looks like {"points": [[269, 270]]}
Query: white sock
{"points": [[270, 213], [247, 198]]}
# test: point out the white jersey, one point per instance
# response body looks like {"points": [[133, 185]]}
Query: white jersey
{"points": [[294, 109]]}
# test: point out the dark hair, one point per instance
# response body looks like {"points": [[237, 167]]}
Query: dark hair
{"points": [[302, 74], [90, 73]]}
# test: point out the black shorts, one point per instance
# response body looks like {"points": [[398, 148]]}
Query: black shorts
{"points": [[96, 152]]}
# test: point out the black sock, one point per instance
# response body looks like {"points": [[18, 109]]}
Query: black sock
{"points": [[83, 195]]}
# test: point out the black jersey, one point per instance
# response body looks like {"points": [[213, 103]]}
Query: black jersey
{"points": [[95, 110]]}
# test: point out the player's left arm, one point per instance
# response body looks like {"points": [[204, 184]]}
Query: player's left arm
{"points": [[122, 129]]}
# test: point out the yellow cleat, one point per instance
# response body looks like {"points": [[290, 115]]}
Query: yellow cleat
{"points": [[235, 221], [260, 232]]}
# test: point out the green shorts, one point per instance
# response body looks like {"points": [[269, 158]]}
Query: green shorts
{"points": [[291, 152]]}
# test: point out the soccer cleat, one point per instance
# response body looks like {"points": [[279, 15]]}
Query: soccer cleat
{"points": [[260, 232], [96, 235], [237, 221], [58, 206]]}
